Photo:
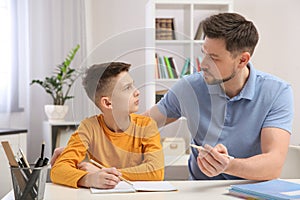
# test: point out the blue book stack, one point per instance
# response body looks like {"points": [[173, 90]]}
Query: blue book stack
{"points": [[274, 189]]}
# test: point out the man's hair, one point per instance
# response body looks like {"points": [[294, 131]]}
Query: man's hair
{"points": [[98, 79], [239, 34]]}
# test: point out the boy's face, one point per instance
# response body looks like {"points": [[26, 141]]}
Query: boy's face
{"points": [[125, 97]]}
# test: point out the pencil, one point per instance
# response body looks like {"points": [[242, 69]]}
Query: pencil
{"points": [[201, 148], [101, 166], [24, 158], [43, 149]]}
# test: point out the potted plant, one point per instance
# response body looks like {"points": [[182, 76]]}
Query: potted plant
{"points": [[58, 86]]}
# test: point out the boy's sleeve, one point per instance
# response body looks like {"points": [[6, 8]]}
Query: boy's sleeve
{"points": [[152, 167], [65, 170]]}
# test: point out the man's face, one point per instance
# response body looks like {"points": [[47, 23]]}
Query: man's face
{"points": [[125, 97], [217, 63]]}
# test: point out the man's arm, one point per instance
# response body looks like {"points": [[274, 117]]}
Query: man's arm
{"points": [[265, 166], [161, 120], [152, 166], [153, 112]]}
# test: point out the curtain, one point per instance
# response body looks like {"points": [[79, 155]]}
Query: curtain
{"points": [[9, 51], [14, 63], [55, 27], [5, 52]]}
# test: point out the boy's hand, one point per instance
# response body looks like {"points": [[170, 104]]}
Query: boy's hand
{"points": [[106, 178], [89, 167]]}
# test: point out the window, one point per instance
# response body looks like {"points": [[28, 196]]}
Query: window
{"points": [[9, 98]]}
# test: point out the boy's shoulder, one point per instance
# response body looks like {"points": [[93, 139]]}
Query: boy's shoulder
{"points": [[92, 119], [89, 122], [141, 120], [144, 125]]}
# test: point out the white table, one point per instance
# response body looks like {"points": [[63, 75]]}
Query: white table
{"points": [[187, 190]]}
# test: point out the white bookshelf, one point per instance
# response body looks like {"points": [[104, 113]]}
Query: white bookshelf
{"points": [[187, 15]]}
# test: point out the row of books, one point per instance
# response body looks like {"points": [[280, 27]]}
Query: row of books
{"points": [[165, 29], [166, 67]]}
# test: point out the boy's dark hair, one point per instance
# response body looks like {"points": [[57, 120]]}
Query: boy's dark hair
{"points": [[97, 80], [239, 34]]}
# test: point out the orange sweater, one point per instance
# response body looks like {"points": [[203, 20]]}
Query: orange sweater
{"points": [[136, 152]]}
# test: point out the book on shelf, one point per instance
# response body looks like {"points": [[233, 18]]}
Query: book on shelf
{"points": [[174, 67], [166, 67], [164, 29], [198, 62], [169, 68], [157, 69], [186, 68], [163, 68], [273, 189], [199, 33]]}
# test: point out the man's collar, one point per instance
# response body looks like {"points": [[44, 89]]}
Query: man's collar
{"points": [[248, 90]]}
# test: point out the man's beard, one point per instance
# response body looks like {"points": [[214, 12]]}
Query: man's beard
{"points": [[219, 81]]}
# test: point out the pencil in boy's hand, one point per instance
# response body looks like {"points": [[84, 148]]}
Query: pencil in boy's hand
{"points": [[101, 166], [97, 164], [203, 149]]}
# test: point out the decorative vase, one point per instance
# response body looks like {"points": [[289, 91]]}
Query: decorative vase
{"points": [[56, 113]]}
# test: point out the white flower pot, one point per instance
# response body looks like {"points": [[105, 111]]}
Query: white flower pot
{"points": [[56, 113]]}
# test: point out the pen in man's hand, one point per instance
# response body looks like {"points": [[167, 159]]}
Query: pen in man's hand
{"points": [[203, 149], [101, 166]]}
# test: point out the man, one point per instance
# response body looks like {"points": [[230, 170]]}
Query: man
{"points": [[231, 108]]}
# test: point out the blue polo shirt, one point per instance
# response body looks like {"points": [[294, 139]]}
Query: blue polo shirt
{"points": [[213, 117]]}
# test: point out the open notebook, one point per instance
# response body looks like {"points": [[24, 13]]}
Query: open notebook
{"points": [[138, 186]]}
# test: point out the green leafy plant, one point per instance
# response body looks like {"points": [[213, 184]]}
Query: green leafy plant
{"points": [[59, 84]]}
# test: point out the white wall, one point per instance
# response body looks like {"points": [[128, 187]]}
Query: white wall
{"points": [[278, 48], [115, 32], [277, 51]]}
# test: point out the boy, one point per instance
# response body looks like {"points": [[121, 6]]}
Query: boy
{"points": [[126, 143]]}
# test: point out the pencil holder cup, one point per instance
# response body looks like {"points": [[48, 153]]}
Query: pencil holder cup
{"points": [[29, 183]]}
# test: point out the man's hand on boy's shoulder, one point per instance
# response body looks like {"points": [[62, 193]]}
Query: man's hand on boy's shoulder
{"points": [[86, 166], [56, 154]]}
